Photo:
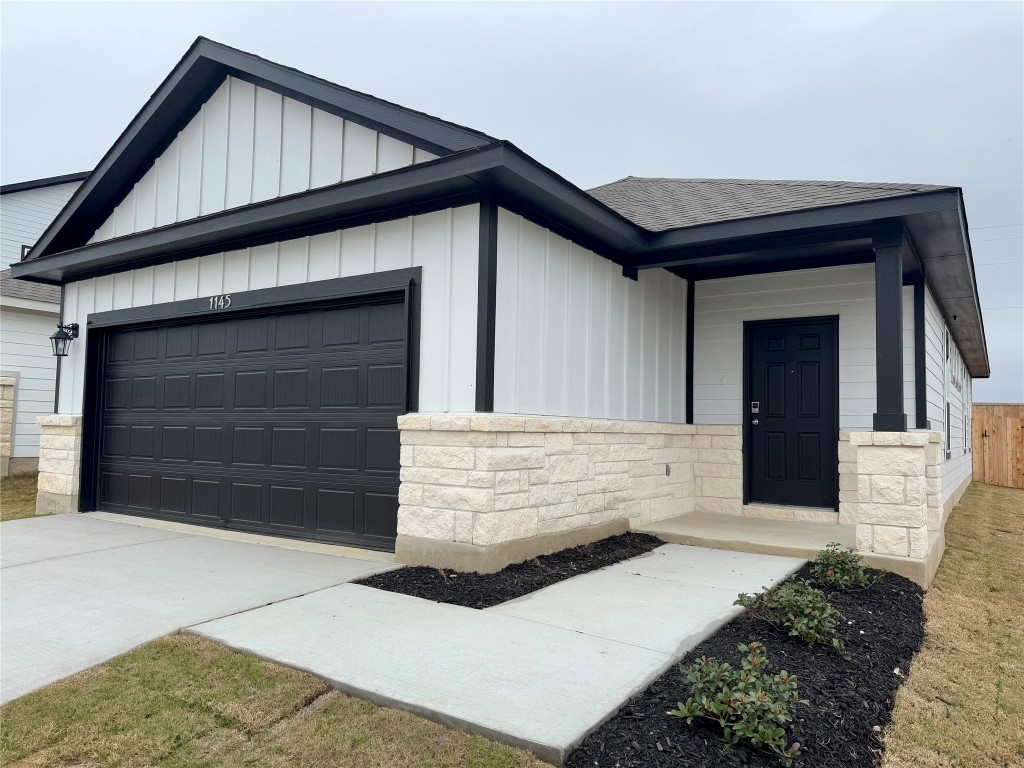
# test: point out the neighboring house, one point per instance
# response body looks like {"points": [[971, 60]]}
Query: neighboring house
{"points": [[28, 315], [309, 312]]}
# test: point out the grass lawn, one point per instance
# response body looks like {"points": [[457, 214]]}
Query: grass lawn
{"points": [[185, 701], [963, 703], [18, 496]]}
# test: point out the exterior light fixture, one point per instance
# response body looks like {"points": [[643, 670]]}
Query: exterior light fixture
{"points": [[62, 339]]}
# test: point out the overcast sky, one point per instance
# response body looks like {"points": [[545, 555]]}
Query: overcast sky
{"points": [[906, 92]]}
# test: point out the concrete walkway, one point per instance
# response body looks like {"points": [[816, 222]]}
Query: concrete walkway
{"points": [[76, 591], [540, 672]]}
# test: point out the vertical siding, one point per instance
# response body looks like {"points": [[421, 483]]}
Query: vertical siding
{"points": [[722, 306], [444, 244], [941, 372], [574, 338], [248, 144], [25, 344], [24, 216]]}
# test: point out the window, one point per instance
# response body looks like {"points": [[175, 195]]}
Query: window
{"points": [[949, 433]]}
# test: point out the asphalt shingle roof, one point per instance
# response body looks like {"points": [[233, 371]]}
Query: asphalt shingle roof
{"points": [[23, 289], [661, 204]]}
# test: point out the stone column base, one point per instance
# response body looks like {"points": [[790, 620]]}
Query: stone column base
{"points": [[60, 455], [889, 488], [7, 385]]}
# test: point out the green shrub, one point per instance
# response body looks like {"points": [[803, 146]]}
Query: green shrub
{"points": [[840, 569], [750, 704], [800, 609]]}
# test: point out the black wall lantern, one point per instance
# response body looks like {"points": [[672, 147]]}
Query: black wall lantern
{"points": [[61, 340]]}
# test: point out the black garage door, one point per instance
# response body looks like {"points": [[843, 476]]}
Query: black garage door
{"points": [[281, 422]]}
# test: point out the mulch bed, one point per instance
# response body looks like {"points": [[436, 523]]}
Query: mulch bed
{"points": [[850, 701], [483, 590]]}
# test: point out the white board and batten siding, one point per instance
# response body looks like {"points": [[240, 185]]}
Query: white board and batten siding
{"points": [[25, 352], [248, 144], [445, 244], [945, 368], [25, 215], [575, 338], [722, 306]]}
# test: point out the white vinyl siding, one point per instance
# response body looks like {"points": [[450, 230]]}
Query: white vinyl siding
{"points": [[445, 244], [722, 306], [942, 371], [25, 352], [24, 216], [575, 338], [248, 144]]}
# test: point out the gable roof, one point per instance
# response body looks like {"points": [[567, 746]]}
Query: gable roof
{"points": [[659, 204], [50, 181], [179, 97]]}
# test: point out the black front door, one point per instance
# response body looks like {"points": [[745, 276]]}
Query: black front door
{"points": [[791, 412]]}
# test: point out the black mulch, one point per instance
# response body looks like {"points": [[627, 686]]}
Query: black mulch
{"points": [[482, 590], [848, 699]]}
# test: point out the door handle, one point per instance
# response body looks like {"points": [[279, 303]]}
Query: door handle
{"points": [[755, 422]]}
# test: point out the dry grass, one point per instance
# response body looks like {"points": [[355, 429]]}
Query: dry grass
{"points": [[185, 701], [18, 496], [963, 704]]}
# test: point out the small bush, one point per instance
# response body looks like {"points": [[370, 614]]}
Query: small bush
{"points": [[840, 569], [749, 704], [800, 609]]}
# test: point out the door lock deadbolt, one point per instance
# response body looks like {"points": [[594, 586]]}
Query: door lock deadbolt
{"points": [[755, 406]]}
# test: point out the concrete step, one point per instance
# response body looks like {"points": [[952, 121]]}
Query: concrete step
{"points": [[765, 536]]}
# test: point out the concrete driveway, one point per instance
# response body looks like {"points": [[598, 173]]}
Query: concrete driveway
{"points": [[77, 590]]}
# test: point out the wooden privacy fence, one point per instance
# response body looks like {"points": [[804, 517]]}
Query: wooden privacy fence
{"points": [[998, 434]]}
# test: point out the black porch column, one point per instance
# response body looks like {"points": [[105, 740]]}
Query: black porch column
{"points": [[890, 415]]}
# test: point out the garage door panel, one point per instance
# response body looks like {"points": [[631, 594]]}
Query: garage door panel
{"points": [[142, 441], [173, 492], [247, 502], [380, 514], [336, 510], [341, 327], [284, 423], [287, 505]]}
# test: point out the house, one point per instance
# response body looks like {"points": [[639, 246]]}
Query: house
{"points": [[305, 311], [28, 315]]}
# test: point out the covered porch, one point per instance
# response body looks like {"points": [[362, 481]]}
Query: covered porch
{"points": [[879, 480]]}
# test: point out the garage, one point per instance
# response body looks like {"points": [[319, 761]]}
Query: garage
{"points": [[275, 420]]}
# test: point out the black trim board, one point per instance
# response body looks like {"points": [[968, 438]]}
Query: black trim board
{"points": [[51, 181], [400, 281], [920, 356], [691, 308], [747, 326], [393, 281], [890, 412], [487, 292]]}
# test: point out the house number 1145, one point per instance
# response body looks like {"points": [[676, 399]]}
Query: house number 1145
{"points": [[220, 302]]}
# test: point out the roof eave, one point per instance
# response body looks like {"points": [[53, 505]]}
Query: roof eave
{"points": [[50, 181]]}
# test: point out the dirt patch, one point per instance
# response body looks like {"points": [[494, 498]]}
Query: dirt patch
{"points": [[483, 590], [850, 701]]}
